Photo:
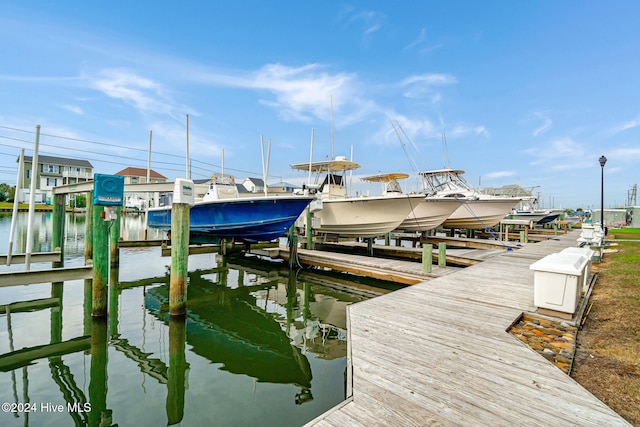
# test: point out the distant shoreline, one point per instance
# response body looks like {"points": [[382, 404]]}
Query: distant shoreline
{"points": [[39, 207]]}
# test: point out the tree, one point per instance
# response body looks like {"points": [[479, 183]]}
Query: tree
{"points": [[6, 192]]}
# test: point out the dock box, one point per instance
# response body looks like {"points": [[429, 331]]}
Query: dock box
{"points": [[558, 280], [588, 253]]}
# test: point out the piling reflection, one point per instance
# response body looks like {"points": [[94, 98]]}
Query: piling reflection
{"points": [[260, 322], [99, 414], [226, 326], [178, 367]]}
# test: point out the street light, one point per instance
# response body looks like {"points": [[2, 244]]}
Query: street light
{"points": [[602, 160]]}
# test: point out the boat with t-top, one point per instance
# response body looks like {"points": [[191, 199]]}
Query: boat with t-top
{"points": [[476, 210], [427, 215], [224, 214], [356, 216]]}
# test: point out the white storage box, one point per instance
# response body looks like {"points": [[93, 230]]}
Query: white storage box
{"points": [[558, 279], [588, 253]]}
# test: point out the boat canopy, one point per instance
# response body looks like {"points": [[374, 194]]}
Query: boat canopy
{"points": [[327, 166], [441, 171], [386, 177]]}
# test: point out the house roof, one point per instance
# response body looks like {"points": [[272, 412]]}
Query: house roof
{"points": [[139, 172], [60, 161], [256, 181], [281, 185]]}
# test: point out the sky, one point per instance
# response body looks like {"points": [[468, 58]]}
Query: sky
{"points": [[527, 93]]}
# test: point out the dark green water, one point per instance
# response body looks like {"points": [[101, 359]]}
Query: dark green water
{"points": [[260, 345]]}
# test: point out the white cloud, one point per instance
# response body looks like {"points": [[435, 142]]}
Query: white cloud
{"points": [[419, 40], [423, 86], [634, 123], [369, 20], [144, 94], [73, 108], [625, 154], [462, 130], [420, 43], [500, 174], [545, 126], [561, 154], [300, 93]]}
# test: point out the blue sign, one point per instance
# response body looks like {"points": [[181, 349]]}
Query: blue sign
{"points": [[108, 190]]}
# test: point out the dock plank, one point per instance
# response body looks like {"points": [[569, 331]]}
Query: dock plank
{"points": [[439, 353]]}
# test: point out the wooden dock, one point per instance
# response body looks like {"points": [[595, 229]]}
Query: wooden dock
{"points": [[398, 271], [438, 353]]}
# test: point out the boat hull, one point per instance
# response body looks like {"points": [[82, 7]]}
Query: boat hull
{"points": [[365, 216], [481, 213], [255, 219], [429, 214]]}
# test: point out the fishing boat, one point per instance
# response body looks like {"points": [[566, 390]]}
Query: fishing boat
{"points": [[538, 216], [479, 210], [356, 216], [428, 214], [223, 214]]}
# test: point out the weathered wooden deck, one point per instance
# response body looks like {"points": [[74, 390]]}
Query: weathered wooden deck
{"points": [[438, 353]]}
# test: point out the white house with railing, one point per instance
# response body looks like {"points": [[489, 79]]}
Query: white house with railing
{"points": [[51, 172]]}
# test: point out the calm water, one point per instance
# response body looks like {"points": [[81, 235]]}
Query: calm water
{"points": [[259, 346]]}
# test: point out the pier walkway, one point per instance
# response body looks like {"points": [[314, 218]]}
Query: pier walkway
{"points": [[438, 353]]}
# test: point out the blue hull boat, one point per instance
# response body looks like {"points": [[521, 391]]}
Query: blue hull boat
{"points": [[250, 219]]}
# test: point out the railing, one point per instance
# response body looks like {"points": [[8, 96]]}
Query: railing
{"points": [[75, 174]]}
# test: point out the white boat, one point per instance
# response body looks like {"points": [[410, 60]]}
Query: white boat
{"points": [[479, 210], [359, 216], [428, 214]]}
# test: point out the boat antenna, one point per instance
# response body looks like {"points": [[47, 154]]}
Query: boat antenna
{"points": [[265, 162], [445, 152], [222, 161], [351, 173], [412, 162], [396, 125], [149, 157], [188, 176], [331, 113], [310, 157]]}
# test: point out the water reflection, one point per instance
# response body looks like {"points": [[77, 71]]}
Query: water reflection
{"points": [[259, 344]]}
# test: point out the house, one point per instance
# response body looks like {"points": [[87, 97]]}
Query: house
{"points": [[139, 176], [51, 172], [253, 185], [139, 201], [281, 187]]}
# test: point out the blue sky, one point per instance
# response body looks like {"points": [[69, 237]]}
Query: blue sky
{"points": [[528, 93]]}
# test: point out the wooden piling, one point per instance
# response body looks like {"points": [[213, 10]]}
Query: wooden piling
{"points": [[56, 314], [308, 229], [100, 263], [88, 229], [114, 238], [179, 258], [427, 257], [177, 369], [293, 247], [57, 237], [114, 292], [98, 371], [442, 255]]}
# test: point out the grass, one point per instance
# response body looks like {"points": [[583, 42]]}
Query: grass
{"points": [[625, 233], [23, 206], [608, 355]]}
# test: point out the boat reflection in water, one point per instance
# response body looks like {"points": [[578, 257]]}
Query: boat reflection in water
{"points": [[226, 326], [259, 344]]}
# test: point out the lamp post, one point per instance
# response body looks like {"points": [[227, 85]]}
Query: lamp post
{"points": [[602, 160]]}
